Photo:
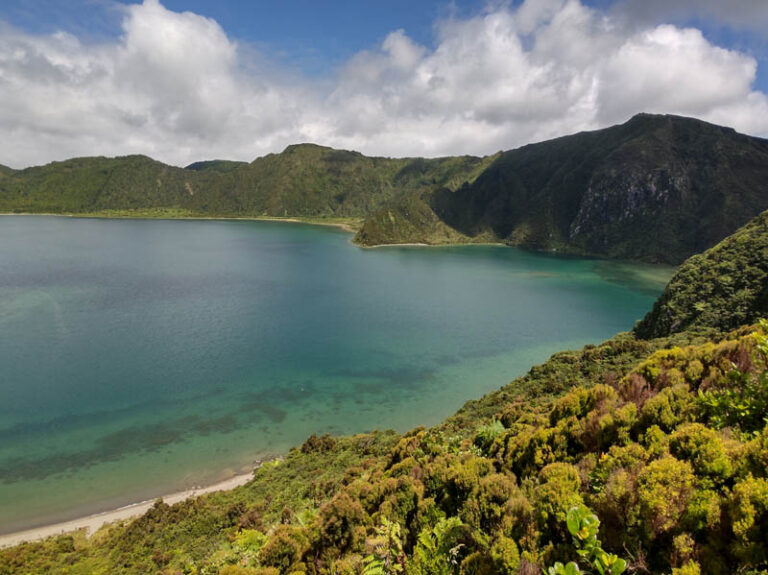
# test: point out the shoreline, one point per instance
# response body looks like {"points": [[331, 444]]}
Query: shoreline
{"points": [[346, 226], [92, 523], [436, 245], [352, 226]]}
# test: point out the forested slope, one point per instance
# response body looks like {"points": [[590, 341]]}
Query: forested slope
{"points": [[304, 180], [725, 287]]}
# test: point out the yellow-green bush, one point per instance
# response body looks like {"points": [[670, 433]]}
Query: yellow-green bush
{"points": [[664, 489]]}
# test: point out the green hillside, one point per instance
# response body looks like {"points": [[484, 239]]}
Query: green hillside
{"points": [[723, 288], [665, 440], [304, 180], [657, 188], [93, 184]]}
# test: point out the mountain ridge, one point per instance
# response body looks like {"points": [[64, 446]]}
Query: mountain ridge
{"points": [[656, 188]]}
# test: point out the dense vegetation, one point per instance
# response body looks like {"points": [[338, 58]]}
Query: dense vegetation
{"points": [[304, 180], [636, 455], [723, 288], [657, 188]]}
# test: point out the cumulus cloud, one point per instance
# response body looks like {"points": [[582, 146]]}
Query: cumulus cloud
{"points": [[175, 87]]}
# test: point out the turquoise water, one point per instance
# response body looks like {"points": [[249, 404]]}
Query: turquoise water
{"points": [[138, 357]]}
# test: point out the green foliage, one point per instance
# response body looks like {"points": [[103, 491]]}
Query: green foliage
{"points": [[438, 549], [284, 548], [387, 556], [743, 401], [505, 555], [315, 444], [488, 433], [583, 526], [748, 511], [690, 568], [664, 489], [557, 492], [304, 180], [704, 449], [670, 408], [342, 523]]}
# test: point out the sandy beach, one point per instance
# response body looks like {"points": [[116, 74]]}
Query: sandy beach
{"points": [[92, 523]]}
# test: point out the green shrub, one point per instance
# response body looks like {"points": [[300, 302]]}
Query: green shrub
{"points": [[704, 449], [342, 524], [664, 489], [284, 548], [487, 434], [748, 510], [669, 408], [556, 493]]}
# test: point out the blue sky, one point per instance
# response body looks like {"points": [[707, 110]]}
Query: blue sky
{"points": [[317, 36], [396, 77], [331, 31]]}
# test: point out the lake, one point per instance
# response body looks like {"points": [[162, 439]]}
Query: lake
{"points": [[140, 357]]}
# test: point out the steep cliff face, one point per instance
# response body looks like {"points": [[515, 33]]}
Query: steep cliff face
{"points": [[675, 190], [657, 188], [624, 196]]}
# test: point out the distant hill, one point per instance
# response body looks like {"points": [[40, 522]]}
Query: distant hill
{"points": [[723, 288], [657, 188], [304, 180]]}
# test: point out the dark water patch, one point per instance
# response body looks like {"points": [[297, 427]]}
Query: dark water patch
{"points": [[405, 376], [223, 424], [445, 360], [275, 401], [274, 414], [117, 445], [74, 421]]}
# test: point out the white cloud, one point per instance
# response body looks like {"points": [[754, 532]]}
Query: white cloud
{"points": [[175, 87], [668, 69]]}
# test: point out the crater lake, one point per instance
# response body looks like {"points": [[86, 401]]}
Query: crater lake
{"points": [[142, 357]]}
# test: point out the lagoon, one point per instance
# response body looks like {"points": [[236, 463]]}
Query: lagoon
{"points": [[142, 357]]}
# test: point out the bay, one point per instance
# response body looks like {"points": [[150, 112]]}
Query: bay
{"points": [[140, 357]]}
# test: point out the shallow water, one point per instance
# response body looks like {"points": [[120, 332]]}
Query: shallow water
{"points": [[139, 357]]}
